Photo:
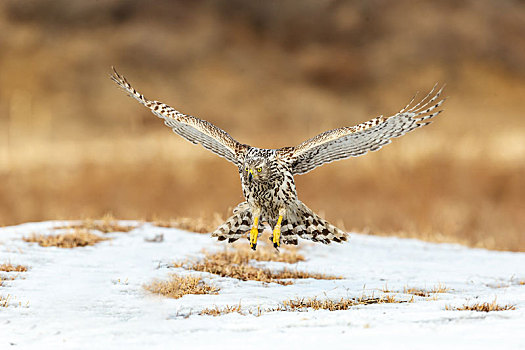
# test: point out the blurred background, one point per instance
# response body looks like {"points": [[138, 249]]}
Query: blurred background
{"points": [[271, 73]]}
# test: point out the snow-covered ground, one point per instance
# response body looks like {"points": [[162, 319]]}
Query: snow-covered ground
{"points": [[93, 297]]}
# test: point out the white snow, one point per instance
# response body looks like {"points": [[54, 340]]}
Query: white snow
{"points": [[93, 297]]}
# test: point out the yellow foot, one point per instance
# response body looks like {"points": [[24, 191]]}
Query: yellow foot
{"points": [[276, 236], [277, 233], [254, 233]]}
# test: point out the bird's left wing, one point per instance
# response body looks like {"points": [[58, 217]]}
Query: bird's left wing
{"points": [[357, 140], [191, 128]]}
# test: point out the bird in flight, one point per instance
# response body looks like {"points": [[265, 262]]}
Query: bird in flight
{"points": [[267, 175]]}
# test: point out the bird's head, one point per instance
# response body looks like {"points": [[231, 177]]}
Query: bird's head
{"points": [[256, 169]]}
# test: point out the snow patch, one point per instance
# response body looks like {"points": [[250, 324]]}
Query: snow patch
{"points": [[93, 297]]}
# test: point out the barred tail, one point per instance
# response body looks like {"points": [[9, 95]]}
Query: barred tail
{"points": [[236, 225], [303, 222], [299, 221]]}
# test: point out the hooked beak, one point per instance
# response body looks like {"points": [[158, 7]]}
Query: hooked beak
{"points": [[250, 175]]}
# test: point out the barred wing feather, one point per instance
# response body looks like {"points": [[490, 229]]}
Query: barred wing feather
{"points": [[357, 140], [191, 128]]}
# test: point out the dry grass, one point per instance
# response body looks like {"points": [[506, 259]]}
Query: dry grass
{"points": [[8, 267], [9, 277], [304, 304], [467, 202], [178, 286], [199, 225], [242, 254], [483, 307], [237, 265], [458, 180], [78, 238], [4, 301], [417, 292], [426, 292], [217, 311], [440, 288], [336, 305], [107, 224]]}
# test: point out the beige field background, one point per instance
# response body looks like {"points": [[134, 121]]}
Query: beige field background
{"points": [[272, 74]]}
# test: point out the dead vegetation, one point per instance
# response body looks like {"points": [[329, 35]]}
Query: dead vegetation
{"points": [[236, 264], [473, 201], [470, 171], [79, 234], [4, 301], [77, 238], [483, 307], [336, 305], [107, 224], [8, 267], [304, 304], [177, 286], [242, 254], [505, 284], [199, 225], [218, 311], [420, 292]]}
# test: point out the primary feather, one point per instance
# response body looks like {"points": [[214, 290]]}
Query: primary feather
{"points": [[191, 128], [357, 140]]}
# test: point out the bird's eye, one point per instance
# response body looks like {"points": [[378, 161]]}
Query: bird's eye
{"points": [[246, 169], [259, 169]]}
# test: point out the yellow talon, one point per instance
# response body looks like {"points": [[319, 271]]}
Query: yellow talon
{"points": [[277, 232], [254, 232]]}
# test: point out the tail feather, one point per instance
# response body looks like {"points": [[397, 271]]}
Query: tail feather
{"points": [[303, 222], [288, 232], [236, 225], [300, 221]]}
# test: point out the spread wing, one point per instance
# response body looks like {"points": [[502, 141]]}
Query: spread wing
{"points": [[357, 140], [191, 128]]}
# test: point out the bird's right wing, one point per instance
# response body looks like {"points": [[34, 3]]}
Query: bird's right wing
{"points": [[357, 140], [191, 128]]}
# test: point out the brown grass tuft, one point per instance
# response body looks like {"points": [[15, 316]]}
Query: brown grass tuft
{"points": [[335, 305], [198, 225], [4, 301], [305, 304], [440, 288], [416, 291], [78, 238], [482, 307], [236, 265], [107, 224], [178, 286], [425, 293], [216, 311], [243, 254], [8, 267]]}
